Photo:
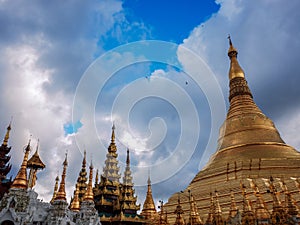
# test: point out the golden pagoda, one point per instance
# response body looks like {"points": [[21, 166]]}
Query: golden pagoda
{"points": [[61, 192], [20, 181], [81, 181], [107, 192], [249, 151], [75, 205], [149, 211], [55, 189], [128, 198], [115, 201]]}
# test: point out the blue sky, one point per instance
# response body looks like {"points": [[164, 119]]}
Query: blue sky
{"points": [[55, 53]]}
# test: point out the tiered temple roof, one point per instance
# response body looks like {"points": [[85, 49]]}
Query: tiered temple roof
{"points": [[128, 199]]}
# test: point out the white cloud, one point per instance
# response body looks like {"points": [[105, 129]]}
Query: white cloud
{"points": [[43, 59]]}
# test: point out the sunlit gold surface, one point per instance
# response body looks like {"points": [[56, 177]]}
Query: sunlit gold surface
{"points": [[5, 141], [20, 180], [149, 210], [75, 205], [89, 196], [55, 189], [249, 147], [61, 193]]}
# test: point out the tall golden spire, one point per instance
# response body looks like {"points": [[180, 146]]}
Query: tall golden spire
{"points": [[149, 210], [5, 141], [55, 189], [75, 205], [89, 195], [244, 119], [61, 193], [20, 180], [235, 69]]}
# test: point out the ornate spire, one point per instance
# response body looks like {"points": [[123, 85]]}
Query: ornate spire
{"points": [[34, 164], [89, 196], [55, 189], [82, 179], [149, 210], [244, 119], [261, 212], [5, 141], [97, 177], [179, 211], [218, 218], [127, 179], [112, 147], [20, 180], [233, 208], [278, 215], [211, 212], [128, 200], [108, 191], [235, 69], [247, 215], [75, 205], [61, 193], [218, 207], [195, 218], [111, 169], [5, 167]]}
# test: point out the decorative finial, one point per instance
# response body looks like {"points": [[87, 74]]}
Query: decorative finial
{"points": [[149, 180], [65, 163], [127, 159], [5, 141], [97, 177], [113, 133], [230, 43]]}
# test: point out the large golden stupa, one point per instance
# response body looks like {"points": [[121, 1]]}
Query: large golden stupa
{"points": [[251, 160]]}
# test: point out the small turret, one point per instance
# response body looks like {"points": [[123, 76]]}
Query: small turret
{"points": [[55, 189], [89, 196], [149, 210], [75, 205], [179, 211], [61, 193], [20, 181]]}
